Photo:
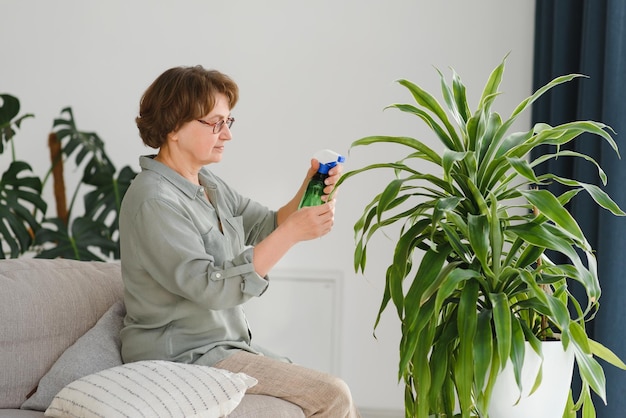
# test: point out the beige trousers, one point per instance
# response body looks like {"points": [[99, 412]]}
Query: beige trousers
{"points": [[319, 394]]}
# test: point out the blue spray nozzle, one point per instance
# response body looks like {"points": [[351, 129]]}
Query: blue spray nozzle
{"points": [[328, 159], [325, 168]]}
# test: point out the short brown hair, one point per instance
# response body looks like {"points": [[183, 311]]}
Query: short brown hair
{"points": [[180, 95]]}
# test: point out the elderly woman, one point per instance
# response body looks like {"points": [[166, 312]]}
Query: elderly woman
{"points": [[193, 250]]}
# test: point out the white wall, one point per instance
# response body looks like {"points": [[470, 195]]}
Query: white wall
{"points": [[312, 75]]}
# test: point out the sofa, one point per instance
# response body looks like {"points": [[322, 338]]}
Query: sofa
{"points": [[60, 326]]}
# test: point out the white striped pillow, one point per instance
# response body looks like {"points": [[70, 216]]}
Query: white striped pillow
{"points": [[152, 389]]}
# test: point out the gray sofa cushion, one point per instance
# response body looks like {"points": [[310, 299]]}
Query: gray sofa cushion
{"points": [[96, 350], [20, 413], [45, 306]]}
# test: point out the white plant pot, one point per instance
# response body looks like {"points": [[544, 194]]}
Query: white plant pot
{"points": [[549, 400]]}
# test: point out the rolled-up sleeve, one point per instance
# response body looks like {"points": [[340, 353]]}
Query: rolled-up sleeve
{"points": [[252, 284]]}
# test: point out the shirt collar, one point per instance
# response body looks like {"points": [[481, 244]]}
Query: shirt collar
{"points": [[147, 162]]}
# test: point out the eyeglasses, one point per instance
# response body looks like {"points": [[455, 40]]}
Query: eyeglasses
{"points": [[217, 126]]}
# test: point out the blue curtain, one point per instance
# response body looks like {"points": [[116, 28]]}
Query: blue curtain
{"points": [[589, 37]]}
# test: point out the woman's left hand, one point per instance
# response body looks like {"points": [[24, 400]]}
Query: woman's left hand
{"points": [[333, 176]]}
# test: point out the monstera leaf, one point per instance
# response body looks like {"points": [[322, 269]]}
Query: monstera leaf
{"points": [[9, 109], [103, 203], [82, 144], [85, 235], [21, 206], [23, 222]]}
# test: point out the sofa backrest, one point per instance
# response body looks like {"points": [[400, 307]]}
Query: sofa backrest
{"points": [[45, 306]]}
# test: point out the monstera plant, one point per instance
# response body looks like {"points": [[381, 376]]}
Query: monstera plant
{"points": [[24, 222], [471, 277]]}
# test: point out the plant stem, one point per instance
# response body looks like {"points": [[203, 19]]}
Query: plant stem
{"points": [[546, 288], [57, 174]]}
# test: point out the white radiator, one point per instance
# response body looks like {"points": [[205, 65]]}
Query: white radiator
{"points": [[299, 317]]}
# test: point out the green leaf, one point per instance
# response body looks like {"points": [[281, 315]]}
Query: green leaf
{"points": [[547, 236], [549, 206], [526, 103], [467, 323], [388, 196], [563, 134], [605, 354], [492, 85], [383, 305], [82, 145], [438, 370], [483, 347], [85, 235], [442, 207], [460, 97], [103, 203], [8, 118], [521, 166], [462, 251], [21, 208], [596, 193], [458, 114], [9, 109], [560, 315], [477, 198], [518, 351], [439, 131], [590, 370], [427, 101], [511, 141], [502, 324], [429, 154], [428, 272], [394, 278], [496, 237], [588, 408], [485, 135], [479, 239], [452, 282], [566, 153], [422, 372], [449, 158]]}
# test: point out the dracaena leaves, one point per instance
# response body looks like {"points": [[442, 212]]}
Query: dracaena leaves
{"points": [[469, 268]]}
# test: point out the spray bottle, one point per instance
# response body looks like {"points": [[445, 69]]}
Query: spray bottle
{"points": [[315, 189]]}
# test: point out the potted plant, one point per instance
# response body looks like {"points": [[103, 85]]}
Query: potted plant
{"points": [[24, 224], [471, 278]]}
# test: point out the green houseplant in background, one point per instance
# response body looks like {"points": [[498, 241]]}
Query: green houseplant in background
{"points": [[24, 224], [485, 287]]}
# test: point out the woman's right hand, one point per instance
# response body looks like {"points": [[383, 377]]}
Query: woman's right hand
{"points": [[301, 225], [311, 222]]}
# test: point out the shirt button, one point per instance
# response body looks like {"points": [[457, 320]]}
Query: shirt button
{"points": [[218, 275]]}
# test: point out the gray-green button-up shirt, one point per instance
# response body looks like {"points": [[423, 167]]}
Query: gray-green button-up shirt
{"points": [[187, 266]]}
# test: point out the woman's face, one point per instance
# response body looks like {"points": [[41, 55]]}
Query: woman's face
{"points": [[196, 141]]}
